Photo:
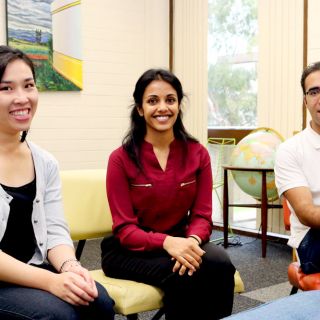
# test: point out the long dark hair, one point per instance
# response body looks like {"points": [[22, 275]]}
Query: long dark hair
{"points": [[137, 131], [7, 55]]}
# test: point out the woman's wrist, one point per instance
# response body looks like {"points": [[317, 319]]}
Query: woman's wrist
{"points": [[68, 264], [196, 238], [166, 242]]}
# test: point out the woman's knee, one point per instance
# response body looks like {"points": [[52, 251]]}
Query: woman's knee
{"points": [[104, 303], [217, 259], [100, 308]]}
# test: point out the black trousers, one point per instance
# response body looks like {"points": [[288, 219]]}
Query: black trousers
{"points": [[207, 294]]}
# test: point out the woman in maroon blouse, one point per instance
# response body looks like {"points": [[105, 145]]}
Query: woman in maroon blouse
{"points": [[159, 187]]}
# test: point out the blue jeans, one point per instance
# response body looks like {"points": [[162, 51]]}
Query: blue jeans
{"points": [[309, 252], [21, 303], [303, 305]]}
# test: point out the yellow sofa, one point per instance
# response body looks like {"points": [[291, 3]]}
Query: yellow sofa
{"points": [[88, 215]]}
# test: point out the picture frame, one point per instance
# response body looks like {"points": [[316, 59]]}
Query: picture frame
{"points": [[48, 31]]}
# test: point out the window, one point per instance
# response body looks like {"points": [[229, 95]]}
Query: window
{"points": [[232, 64], [232, 89]]}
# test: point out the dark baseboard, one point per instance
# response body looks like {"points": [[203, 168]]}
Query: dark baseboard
{"points": [[255, 234]]}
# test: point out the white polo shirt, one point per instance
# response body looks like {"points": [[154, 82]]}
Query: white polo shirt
{"points": [[297, 165]]}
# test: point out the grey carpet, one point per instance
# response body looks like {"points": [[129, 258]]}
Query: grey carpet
{"points": [[261, 276]]}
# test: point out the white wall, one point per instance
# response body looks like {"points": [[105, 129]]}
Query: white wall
{"points": [[120, 40], [313, 31], [2, 22], [313, 34], [280, 65]]}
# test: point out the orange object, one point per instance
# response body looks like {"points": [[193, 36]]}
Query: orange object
{"points": [[296, 277]]}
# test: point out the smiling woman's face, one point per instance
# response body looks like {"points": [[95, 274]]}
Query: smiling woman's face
{"points": [[160, 107], [18, 98]]}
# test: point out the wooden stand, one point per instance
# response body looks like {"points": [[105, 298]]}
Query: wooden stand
{"points": [[263, 205]]}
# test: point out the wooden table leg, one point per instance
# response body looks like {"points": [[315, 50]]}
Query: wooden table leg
{"points": [[264, 214], [225, 207]]}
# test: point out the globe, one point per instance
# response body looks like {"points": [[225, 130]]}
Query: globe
{"points": [[256, 150]]}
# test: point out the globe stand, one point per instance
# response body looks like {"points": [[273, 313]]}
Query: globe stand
{"points": [[264, 205]]}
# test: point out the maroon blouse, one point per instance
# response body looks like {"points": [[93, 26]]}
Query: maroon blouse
{"points": [[148, 206]]}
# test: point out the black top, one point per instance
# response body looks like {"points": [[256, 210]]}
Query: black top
{"points": [[19, 239]]}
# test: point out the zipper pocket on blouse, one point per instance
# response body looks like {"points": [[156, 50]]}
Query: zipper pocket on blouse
{"points": [[147, 185], [187, 183]]}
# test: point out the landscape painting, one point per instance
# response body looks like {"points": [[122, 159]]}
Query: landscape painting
{"points": [[29, 28]]}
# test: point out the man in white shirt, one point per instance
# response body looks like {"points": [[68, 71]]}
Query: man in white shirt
{"points": [[298, 177]]}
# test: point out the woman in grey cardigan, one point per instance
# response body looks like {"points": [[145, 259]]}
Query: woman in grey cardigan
{"points": [[40, 277]]}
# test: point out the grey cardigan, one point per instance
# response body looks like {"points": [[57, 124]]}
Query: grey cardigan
{"points": [[48, 221]]}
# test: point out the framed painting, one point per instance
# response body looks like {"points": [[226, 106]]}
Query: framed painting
{"points": [[48, 31]]}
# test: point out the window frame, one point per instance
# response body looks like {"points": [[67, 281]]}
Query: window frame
{"points": [[238, 134]]}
